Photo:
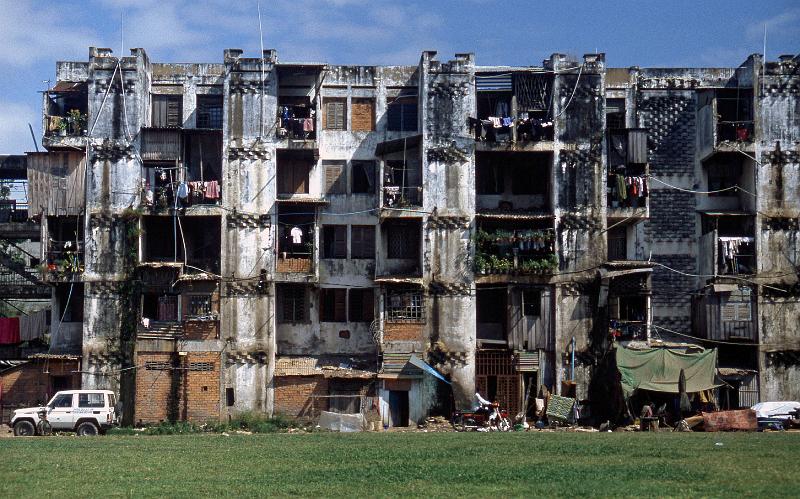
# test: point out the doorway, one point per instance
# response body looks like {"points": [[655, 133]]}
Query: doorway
{"points": [[398, 407]]}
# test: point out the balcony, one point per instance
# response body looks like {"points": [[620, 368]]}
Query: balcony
{"points": [[515, 251], [513, 111], [65, 122], [628, 193], [296, 122], [64, 260], [296, 229], [725, 121], [401, 197], [190, 329]]}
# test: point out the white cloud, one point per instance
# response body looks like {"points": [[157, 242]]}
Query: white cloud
{"points": [[786, 23], [15, 137]]}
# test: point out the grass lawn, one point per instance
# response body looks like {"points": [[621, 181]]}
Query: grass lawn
{"points": [[409, 464]]}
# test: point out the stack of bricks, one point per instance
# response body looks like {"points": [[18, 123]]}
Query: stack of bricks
{"points": [[201, 330], [293, 395], [298, 265], [402, 331]]}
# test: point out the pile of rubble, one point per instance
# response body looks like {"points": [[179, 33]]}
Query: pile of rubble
{"points": [[435, 424]]}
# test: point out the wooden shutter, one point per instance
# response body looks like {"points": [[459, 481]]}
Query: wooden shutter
{"points": [[174, 117], [334, 178], [363, 118], [340, 241], [167, 111], [363, 241], [334, 115], [367, 305], [340, 305], [293, 177]]}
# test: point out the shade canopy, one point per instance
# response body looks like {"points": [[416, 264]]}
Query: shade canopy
{"points": [[659, 369]]}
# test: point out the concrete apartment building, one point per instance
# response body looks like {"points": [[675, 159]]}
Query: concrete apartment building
{"points": [[284, 237]]}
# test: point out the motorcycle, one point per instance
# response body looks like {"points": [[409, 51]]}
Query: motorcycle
{"points": [[486, 418]]}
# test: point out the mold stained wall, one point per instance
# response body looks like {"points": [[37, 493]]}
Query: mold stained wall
{"points": [[249, 191]]}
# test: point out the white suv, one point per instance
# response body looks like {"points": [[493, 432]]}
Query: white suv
{"points": [[86, 412]]}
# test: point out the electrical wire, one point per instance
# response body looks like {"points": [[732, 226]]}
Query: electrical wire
{"points": [[710, 340], [577, 80]]}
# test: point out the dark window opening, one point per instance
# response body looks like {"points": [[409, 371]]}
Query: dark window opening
{"points": [[70, 302], [199, 306], [403, 182], [203, 157], [362, 242], [531, 303], [615, 114], [209, 111], [167, 111], [617, 244], [334, 241], [628, 317], [734, 114], [230, 399], [165, 238], [490, 313], [363, 173], [160, 307], [362, 305], [293, 305], [724, 172], [296, 231], [514, 174], [65, 244], [333, 305], [401, 112], [296, 117], [403, 240], [66, 109]]}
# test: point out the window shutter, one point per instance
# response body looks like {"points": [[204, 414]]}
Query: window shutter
{"points": [[159, 118], [728, 312], [363, 241], [340, 305], [334, 115], [174, 112], [363, 115], [340, 241], [334, 179], [743, 312], [368, 305]]}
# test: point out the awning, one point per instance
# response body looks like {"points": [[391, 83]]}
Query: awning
{"points": [[68, 86], [512, 215], [658, 369], [397, 145], [399, 280]]}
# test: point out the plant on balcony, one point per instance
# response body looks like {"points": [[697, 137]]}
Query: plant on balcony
{"points": [[62, 127], [77, 120], [546, 264]]}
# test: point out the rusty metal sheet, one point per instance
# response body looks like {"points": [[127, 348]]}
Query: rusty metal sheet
{"points": [[741, 420]]}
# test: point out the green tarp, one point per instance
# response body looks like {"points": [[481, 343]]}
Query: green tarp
{"points": [[658, 369]]}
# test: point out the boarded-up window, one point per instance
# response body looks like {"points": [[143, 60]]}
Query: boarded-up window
{"points": [[293, 176], [402, 114], [362, 241], [362, 305], [292, 303], [403, 241], [334, 177], [363, 118], [335, 114], [167, 111], [363, 173], [333, 305], [736, 306], [334, 241]]}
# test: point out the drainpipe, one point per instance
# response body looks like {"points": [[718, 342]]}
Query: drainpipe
{"points": [[572, 369]]}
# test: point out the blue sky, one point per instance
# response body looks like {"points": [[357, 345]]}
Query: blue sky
{"points": [[35, 34]]}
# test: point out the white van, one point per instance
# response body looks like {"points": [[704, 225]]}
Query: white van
{"points": [[86, 412]]}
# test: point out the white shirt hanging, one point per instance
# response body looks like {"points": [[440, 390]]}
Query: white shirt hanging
{"points": [[297, 235]]}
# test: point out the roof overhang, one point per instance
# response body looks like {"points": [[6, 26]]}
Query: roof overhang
{"points": [[398, 145]]}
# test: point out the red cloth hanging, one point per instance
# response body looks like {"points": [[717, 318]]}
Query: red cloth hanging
{"points": [[9, 330]]}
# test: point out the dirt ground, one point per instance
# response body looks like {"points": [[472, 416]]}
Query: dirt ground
{"points": [[6, 431]]}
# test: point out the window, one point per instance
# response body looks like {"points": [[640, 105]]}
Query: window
{"points": [[167, 111], [363, 118], [531, 303], [62, 401], [363, 173], [333, 305], [209, 111], [230, 399], [362, 305], [736, 307], [335, 181], [402, 113], [615, 114], [91, 400], [293, 303], [199, 305], [362, 241], [334, 241], [293, 174], [723, 176], [488, 178], [404, 306], [335, 114], [403, 241]]}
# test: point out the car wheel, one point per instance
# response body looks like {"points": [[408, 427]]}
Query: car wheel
{"points": [[24, 429], [87, 429]]}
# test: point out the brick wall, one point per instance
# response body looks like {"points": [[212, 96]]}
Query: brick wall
{"points": [[302, 265], [670, 120], [402, 331], [173, 387], [201, 330], [672, 215], [293, 395], [32, 383]]}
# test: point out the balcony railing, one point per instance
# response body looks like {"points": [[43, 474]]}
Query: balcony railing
{"points": [[515, 252], [624, 330], [65, 258], [734, 131], [398, 197]]}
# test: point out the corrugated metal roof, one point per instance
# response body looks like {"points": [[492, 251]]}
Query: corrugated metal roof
{"points": [[327, 366], [493, 83], [397, 364]]}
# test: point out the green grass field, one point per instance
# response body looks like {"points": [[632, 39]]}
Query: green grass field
{"points": [[404, 464]]}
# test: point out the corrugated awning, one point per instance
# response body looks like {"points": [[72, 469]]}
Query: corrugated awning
{"points": [[493, 83], [397, 145], [397, 365], [68, 86]]}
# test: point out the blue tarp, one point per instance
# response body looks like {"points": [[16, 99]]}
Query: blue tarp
{"points": [[416, 361]]}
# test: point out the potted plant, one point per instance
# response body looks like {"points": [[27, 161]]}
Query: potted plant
{"points": [[62, 127]]}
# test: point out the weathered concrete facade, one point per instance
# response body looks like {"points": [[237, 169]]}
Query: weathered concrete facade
{"points": [[310, 227]]}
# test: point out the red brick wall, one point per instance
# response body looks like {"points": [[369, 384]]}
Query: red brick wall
{"points": [[32, 383], [293, 395], [302, 265], [177, 387], [201, 330], [402, 331]]}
